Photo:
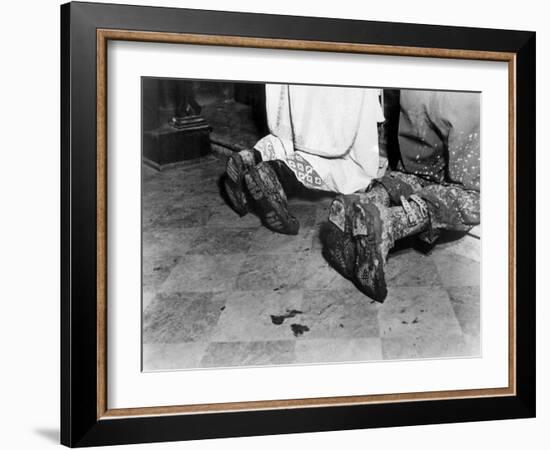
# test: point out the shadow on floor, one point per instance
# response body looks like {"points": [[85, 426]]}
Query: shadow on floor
{"points": [[49, 434]]}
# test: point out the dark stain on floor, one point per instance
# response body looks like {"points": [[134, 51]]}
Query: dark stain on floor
{"points": [[298, 329], [278, 320]]}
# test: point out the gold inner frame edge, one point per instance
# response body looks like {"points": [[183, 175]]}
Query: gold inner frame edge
{"points": [[103, 36]]}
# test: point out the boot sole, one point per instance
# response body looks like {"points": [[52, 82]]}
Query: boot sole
{"points": [[341, 210], [274, 213], [234, 184], [369, 273], [337, 214], [235, 168], [339, 250], [236, 197]]}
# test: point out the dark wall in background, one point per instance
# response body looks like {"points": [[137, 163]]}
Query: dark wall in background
{"points": [[181, 118], [172, 125]]}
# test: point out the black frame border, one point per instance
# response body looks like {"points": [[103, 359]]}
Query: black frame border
{"points": [[79, 423]]}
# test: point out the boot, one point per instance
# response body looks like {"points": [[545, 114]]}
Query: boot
{"points": [[338, 243], [270, 199], [237, 165], [376, 228]]}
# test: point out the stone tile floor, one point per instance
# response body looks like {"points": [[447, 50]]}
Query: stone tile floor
{"points": [[220, 290]]}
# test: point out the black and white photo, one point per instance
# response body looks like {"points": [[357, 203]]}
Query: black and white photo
{"points": [[288, 224]]}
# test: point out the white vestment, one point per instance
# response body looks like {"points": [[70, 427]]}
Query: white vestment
{"points": [[328, 136]]}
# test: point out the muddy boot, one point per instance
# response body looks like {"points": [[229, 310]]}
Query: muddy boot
{"points": [[237, 165], [338, 243], [376, 228], [270, 199]]}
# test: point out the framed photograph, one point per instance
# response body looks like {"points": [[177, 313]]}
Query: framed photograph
{"points": [[278, 224]]}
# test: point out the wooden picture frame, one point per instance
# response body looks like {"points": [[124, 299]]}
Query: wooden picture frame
{"points": [[85, 416]]}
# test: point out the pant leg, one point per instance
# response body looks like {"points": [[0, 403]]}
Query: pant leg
{"points": [[450, 206], [422, 149], [461, 110], [439, 136], [440, 146]]}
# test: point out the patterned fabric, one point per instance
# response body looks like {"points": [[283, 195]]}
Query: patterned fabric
{"points": [[439, 146], [336, 235], [450, 206], [439, 136], [327, 136], [270, 200], [376, 228], [304, 171]]}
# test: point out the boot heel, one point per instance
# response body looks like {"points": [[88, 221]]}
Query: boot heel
{"points": [[235, 167], [337, 214], [270, 199], [359, 221], [254, 188]]}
